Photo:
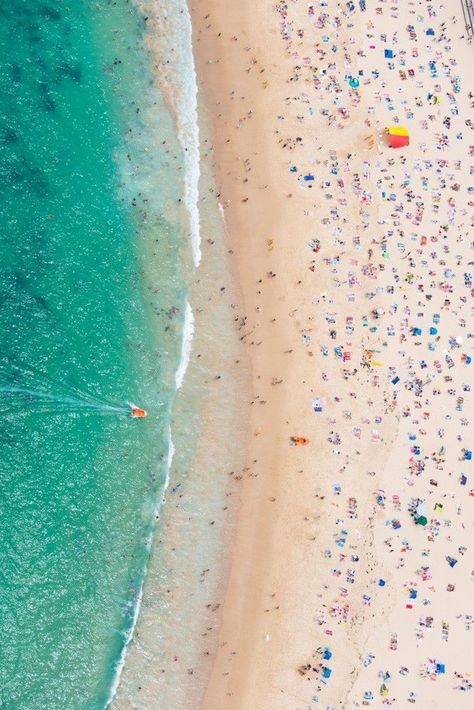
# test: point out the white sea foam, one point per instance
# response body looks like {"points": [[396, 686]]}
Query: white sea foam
{"points": [[128, 638], [171, 451], [222, 214], [186, 345], [188, 132]]}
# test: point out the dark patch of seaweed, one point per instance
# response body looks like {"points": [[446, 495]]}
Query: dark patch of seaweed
{"points": [[47, 101], [69, 71], [49, 13], [16, 73]]}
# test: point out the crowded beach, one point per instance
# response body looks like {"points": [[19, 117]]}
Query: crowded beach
{"points": [[343, 156]]}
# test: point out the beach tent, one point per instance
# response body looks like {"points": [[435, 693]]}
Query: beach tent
{"points": [[421, 520], [421, 507], [420, 514], [397, 137]]}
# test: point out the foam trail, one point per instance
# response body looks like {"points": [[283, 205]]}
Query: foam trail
{"points": [[28, 393], [43, 401], [188, 332], [188, 135]]}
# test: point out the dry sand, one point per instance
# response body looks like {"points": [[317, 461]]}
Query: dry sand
{"points": [[318, 526]]}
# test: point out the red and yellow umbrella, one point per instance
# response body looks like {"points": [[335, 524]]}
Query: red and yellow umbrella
{"points": [[398, 137]]}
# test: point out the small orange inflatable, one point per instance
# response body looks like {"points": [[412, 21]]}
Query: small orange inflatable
{"points": [[299, 440], [137, 413]]}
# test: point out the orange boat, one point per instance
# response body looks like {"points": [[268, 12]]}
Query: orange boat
{"points": [[137, 413]]}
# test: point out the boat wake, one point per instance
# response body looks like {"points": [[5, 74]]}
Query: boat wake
{"points": [[25, 391]]}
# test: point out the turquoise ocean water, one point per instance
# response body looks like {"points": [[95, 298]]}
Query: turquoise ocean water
{"points": [[91, 313]]}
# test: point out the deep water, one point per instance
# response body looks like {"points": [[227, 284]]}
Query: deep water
{"points": [[91, 308]]}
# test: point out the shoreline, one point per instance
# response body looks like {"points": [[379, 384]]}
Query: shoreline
{"points": [[186, 565]]}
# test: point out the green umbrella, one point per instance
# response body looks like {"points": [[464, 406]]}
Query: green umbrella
{"points": [[421, 520]]}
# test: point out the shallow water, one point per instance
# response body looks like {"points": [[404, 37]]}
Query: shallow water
{"points": [[166, 666], [91, 310]]}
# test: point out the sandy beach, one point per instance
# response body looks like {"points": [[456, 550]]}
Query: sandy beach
{"points": [[349, 581]]}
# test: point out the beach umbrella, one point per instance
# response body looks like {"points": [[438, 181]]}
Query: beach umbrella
{"points": [[421, 520], [395, 141], [398, 137]]}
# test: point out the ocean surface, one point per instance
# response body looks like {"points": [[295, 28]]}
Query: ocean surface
{"points": [[94, 181]]}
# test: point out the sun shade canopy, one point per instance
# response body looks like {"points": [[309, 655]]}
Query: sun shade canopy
{"points": [[397, 137]]}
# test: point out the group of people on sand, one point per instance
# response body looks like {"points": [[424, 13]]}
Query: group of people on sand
{"points": [[389, 244]]}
